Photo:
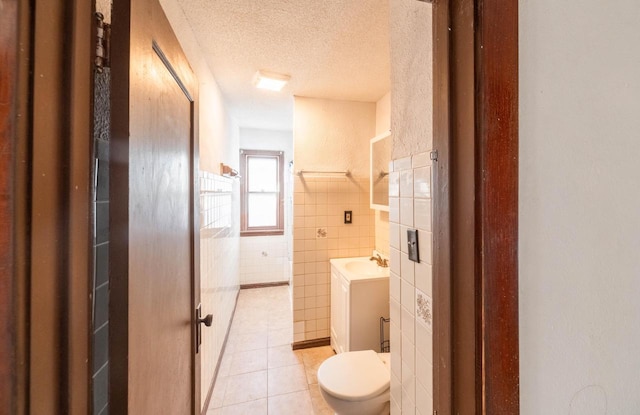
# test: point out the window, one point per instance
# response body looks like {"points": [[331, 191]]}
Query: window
{"points": [[262, 192]]}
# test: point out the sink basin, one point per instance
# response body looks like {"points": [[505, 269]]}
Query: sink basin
{"points": [[362, 267], [359, 268]]}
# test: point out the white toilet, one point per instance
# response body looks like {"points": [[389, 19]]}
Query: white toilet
{"points": [[356, 382]]}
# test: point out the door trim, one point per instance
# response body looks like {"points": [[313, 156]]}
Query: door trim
{"points": [[475, 285], [496, 50]]}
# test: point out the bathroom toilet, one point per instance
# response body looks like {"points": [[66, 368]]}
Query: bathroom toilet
{"points": [[356, 382]]}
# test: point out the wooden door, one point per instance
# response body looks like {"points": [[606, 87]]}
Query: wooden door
{"points": [[153, 283]]}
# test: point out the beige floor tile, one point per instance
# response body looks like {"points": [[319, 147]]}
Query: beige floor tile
{"points": [[298, 403], [217, 396], [248, 326], [225, 364], [214, 411], [312, 373], [257, 407], [280, 337], [250, 361], [246, 342], [246, 387], [320, 407], [316, 355], [283, 356], [287, 379]]}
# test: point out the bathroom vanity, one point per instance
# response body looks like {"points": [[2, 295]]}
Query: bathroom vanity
{"points": [[359, 297]]}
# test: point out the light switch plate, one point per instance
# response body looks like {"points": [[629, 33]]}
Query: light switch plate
{"points": [[412, 245]]}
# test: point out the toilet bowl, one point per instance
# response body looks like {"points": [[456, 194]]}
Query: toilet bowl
{"points": [[356, 382]]}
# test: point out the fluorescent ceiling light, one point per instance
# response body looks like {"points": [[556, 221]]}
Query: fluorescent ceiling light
{"points": [[271, 81]]}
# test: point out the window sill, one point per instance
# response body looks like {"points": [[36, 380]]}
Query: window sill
{"points": [[262, 233]]}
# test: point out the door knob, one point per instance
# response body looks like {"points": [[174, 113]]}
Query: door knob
{"points": [[207, 320]]}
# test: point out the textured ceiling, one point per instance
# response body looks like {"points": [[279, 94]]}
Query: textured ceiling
{"points": [[335, 49]]}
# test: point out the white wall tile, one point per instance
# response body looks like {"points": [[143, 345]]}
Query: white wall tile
{"points": [[396, 394], [402, 164], [394, 286], [394, 261], [406, 183], [425, 247], [424, 400], [424, 342], [408, 388], [422, 214], [423, 277], [406, 211], [394, 184], [394, 235], [407, 295], [395, 337], [394, 209], [407, 325], [407, 268], [424, 373], [422, 182], [394, 311]]}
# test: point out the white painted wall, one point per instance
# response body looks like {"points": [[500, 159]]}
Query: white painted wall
{"points": [[410, 45], [383, 114], [332, 134], [579, 207], [267, 258]]}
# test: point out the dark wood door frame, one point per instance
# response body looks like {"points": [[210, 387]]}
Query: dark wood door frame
{"points": [[46, 66], [476, 366]]}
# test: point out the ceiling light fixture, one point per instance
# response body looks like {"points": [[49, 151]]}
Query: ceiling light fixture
{"points": [[269, 80]]}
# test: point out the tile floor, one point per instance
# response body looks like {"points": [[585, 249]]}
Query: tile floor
{"points": [[259, 373]]}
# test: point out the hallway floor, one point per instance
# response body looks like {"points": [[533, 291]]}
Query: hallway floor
{"points": [[259, 373]]}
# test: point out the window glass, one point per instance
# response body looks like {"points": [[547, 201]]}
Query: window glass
{"points": [[263, 174], [262, 209]]}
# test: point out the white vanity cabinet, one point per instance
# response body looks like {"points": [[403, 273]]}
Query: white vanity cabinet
{"points": [[358, 300]]}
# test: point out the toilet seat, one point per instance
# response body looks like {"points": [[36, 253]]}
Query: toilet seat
{"points": [[354, 376]]}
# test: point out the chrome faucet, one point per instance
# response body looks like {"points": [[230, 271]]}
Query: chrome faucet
{"points": [[380, 261]]}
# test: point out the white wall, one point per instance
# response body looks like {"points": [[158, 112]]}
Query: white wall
{"points": [[267, 258], [410, 40], [579, 207]]}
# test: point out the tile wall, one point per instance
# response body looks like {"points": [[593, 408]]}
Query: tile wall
{"points": [[319, 234], [264, 259], [410, 286], [219, 275]]}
